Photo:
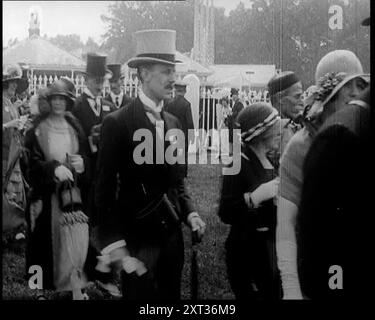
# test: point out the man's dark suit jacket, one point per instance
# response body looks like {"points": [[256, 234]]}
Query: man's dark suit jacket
{"points": [[181, 109], [88, 119], [138, 184], [125, 100]]}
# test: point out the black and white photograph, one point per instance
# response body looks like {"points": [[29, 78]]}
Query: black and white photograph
{"points": [[185, 151]]}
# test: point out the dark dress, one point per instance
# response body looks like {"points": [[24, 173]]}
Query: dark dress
{"points": [[250, 254]]}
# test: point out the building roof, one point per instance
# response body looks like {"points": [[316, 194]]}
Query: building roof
{"points": [[238, 75], [188, 65], [39, 53]]}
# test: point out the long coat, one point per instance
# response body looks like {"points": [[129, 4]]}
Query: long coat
{"points": [[139, 185], [335, 202], [43, 185], [250, 254]]}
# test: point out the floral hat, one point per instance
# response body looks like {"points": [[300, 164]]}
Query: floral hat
{"points": [[334, 70]]}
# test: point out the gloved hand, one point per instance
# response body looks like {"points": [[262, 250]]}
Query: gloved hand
{"points": [[76, 161], [196, 224], [265, 192], [62, 173]]}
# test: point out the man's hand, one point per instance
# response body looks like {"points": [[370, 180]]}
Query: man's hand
{"points": [[196, 224], [117, 255]]}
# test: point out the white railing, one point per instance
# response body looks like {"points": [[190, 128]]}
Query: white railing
{"points": [[130, 86], [208, 107]]}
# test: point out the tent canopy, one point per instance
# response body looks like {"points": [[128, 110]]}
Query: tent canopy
{"points": [[239, 75]]}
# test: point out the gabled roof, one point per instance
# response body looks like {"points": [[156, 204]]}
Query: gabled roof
{"points": [[237, 75], [39, 53]]}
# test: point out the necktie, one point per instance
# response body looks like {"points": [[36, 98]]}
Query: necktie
{"points": [[155, 115], [117, 102]]}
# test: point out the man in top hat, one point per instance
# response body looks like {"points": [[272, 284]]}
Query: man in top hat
{"points": [[140, 222], [116, 95], [236, 108], [285, 90], [180, 107], [90, 109]]}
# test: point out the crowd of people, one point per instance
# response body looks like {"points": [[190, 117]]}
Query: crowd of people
{"points": [[93, 211]]}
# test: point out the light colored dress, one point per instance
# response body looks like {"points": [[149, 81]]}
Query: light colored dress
{"points": [[69, 239]]}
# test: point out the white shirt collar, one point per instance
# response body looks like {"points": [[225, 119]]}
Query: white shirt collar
{"points": [[149, 103], [89, 93], [114, 96]]}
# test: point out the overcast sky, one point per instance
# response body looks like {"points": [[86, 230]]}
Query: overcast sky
{"points": [[66, 17]]}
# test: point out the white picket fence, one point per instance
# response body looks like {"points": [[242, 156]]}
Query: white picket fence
{"points": [[130, 86]]}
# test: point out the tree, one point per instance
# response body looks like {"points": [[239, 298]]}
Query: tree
{"points": [[70, 42], [292, 34], [125, 18]]}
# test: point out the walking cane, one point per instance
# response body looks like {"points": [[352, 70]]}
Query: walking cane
{"points": [[194, 265]]}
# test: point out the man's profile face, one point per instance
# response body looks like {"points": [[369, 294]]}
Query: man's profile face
{"points": [[291, 103], [115, 86], [158, 81], [95, 85]]}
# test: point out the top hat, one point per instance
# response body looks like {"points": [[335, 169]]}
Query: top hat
{"points": [[96, 66], [282, 81], [116, 71], [154, 46]]}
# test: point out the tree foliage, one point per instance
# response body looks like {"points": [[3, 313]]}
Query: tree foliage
{"points": [[292, 34]]}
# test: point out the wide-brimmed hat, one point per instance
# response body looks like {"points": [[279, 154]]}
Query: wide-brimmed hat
{"points": [[97, 66], [60, 88], [255, 120], [333, 71], [116, 72], [12, 72], [154, 46]]}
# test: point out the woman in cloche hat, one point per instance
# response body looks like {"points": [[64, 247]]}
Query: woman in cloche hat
{"points": [[56, 146], [247, 204], [339, 78]]}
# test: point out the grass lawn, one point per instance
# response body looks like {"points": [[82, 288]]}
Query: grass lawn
{"points": [[204, 187]]}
